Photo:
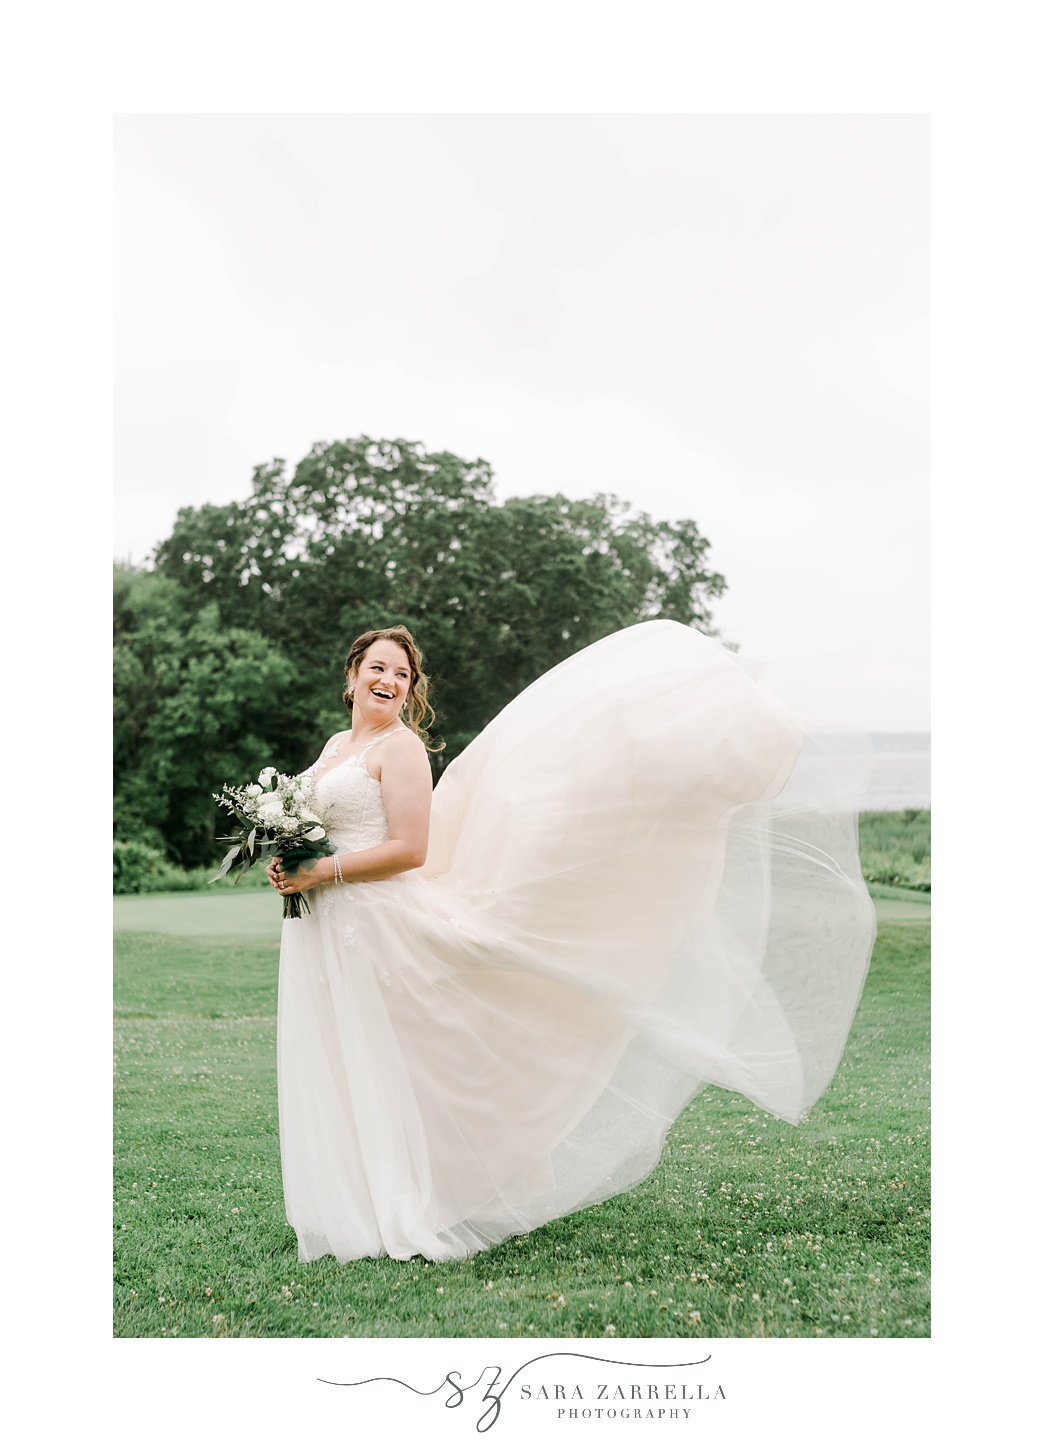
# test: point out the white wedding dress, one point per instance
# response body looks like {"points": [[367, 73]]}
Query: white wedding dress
{"points": [[629, 894]]}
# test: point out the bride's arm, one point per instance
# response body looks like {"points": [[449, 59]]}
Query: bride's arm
{"points": [[406, 788]]}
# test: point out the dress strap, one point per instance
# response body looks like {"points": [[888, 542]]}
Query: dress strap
{"points": [[381, 737]]}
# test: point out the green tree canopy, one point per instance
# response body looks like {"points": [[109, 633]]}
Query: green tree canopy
{"points": [[231, 652], [196, 705]]}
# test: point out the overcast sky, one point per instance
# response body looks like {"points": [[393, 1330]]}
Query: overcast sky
{"points": [[716, 317]]}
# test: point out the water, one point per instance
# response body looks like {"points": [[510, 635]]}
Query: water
{"points": [[902, 773]]}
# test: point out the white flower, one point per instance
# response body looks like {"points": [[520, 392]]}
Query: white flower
{"points": [[316, 834], [265, 776], [252, 790], [270, 798]]}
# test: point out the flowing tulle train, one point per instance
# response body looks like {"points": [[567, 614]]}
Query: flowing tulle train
{"points": [[643, 878]]}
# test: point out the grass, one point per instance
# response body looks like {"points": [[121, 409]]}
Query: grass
{"points": [[747, 1227]]}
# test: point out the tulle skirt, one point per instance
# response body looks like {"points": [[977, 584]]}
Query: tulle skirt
{"points": [[643, 878]]}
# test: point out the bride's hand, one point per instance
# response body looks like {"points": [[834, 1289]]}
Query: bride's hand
{"points": [[303, 879]]}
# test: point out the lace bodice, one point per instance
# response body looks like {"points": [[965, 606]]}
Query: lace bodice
{"points": [[350, 800]]}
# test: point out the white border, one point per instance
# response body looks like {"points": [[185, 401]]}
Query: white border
{"points": [[71, 69]]}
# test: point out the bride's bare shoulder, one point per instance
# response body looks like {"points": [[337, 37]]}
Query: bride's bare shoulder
{"points": [[402, 750], [404, 744]]}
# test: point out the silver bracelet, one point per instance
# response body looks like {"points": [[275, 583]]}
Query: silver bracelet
{"points": [[337, 870]]}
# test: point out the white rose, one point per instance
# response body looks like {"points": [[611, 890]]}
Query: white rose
{"points": [[271, 815], [270, 798], [252, 791], [316, 834], [265, 776]]}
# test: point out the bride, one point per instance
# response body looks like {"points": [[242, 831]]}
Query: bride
{"points": [[642, 877]]}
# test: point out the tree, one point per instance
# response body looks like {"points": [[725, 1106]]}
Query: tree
{"points": [[379, 531], [230, 653], [196, 705]]}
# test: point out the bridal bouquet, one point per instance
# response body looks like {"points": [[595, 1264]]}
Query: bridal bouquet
{"points": [[277, 817]]}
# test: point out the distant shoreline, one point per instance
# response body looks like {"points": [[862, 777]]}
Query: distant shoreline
{"points": [[901, 780], [902, 742]]}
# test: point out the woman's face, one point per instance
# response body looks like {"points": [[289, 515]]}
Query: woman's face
{"points": [[381, 682]]}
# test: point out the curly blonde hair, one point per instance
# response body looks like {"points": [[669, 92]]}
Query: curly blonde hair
{"points": [[418, 713]]}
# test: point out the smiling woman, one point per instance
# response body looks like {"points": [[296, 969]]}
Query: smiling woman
{"points": [[638, 880], [383, 680]]}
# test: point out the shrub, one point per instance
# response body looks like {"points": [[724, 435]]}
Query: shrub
{"points": [[136, 867], [895, 848]]}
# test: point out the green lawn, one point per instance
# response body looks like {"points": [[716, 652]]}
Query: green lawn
{"points": [[748, 1226]]}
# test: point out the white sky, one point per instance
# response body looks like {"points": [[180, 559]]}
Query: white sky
{"points": [[718, 317]]}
